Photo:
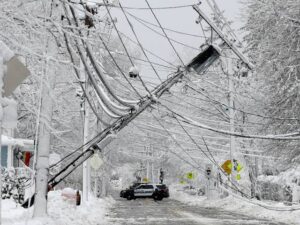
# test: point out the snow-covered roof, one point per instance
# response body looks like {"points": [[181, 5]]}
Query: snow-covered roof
{"points": [[6, 140]]}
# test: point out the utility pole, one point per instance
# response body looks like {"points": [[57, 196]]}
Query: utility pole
{"points": [[230, 74], [147, 158], [1, 118], [86, 164], [152, 162]]}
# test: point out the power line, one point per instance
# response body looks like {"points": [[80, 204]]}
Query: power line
{"points": [[168, 29], [162, 35], [282, 137], [123, 44], [119, 68], [197, 107], [249, 113], [77, 73], [165, 33], [166, 130], [155, 63], [137, 39], [211, 159], [150, 52], [234, 187], [157, 8], [103, 96], [141, 8]]}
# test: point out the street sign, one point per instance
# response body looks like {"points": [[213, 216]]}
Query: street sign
{"points": [[190, 175], [96, 162], [227, 166], [16, 73], [145, 180]]}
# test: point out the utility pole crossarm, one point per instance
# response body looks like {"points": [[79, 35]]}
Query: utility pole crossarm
{"points": [[224, 38]]}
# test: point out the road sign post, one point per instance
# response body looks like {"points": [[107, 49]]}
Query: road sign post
{"points": [[208, 175], [211, 184]]}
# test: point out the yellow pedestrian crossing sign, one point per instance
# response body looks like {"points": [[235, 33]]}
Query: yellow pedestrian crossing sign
{"points": [[145, 180], [190, 175]]}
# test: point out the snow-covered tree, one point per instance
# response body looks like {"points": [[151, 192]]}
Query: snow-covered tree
{"points": [[272, 35]]}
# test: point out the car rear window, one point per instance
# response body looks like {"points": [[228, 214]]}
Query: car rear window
{"points": [[162, 186], [148, 187]]}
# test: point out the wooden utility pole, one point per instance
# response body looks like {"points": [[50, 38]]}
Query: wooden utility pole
{"points": [[230, 74], [86, 164], [1, 118]]}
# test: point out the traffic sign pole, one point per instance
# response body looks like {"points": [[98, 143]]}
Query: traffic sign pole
{"points": [[208, 175]]}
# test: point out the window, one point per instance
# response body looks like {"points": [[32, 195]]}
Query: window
{"points": [[4, 152], [161, 186], [148, 187], [141, 187]]}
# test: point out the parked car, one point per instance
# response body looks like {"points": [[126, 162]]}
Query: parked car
{"points": [[155, 191], [123, 193], [164, 189]]}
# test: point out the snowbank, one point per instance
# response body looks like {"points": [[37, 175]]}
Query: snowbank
{"points": [[60, 212], [239, 206], [285, 178]]}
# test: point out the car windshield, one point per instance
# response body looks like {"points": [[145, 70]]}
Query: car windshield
{"points": [[134, 185], [161, 186]]}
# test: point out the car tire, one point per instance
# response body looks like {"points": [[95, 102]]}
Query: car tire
{"points": [[157, 197], [130, 197]]}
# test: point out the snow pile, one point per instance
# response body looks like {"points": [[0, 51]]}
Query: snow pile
{"points": [[288, 177], [237, 205], [60, 212]]}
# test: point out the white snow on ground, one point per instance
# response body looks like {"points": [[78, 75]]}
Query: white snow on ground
{"points": [[239, 206], [61, 212], [288, 177]]}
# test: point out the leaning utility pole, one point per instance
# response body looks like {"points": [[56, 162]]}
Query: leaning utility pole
{"points": [[199, 64]]}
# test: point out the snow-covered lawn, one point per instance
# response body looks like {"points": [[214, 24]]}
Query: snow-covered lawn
{"points": [[61, 212], [239, 206]]}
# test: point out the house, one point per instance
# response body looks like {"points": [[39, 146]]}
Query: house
{"points": [[16, 152]]}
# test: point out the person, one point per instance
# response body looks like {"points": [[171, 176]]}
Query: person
{"points": [[161, 176], [296, 191], [78, 198]]}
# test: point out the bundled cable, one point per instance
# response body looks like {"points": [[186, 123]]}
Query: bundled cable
{"points": [[127, 103]]}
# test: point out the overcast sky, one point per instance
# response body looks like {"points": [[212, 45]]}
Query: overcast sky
{"points": [[182, 20]]}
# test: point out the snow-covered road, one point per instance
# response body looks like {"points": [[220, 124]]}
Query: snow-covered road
{"points": [[172, 212]]}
